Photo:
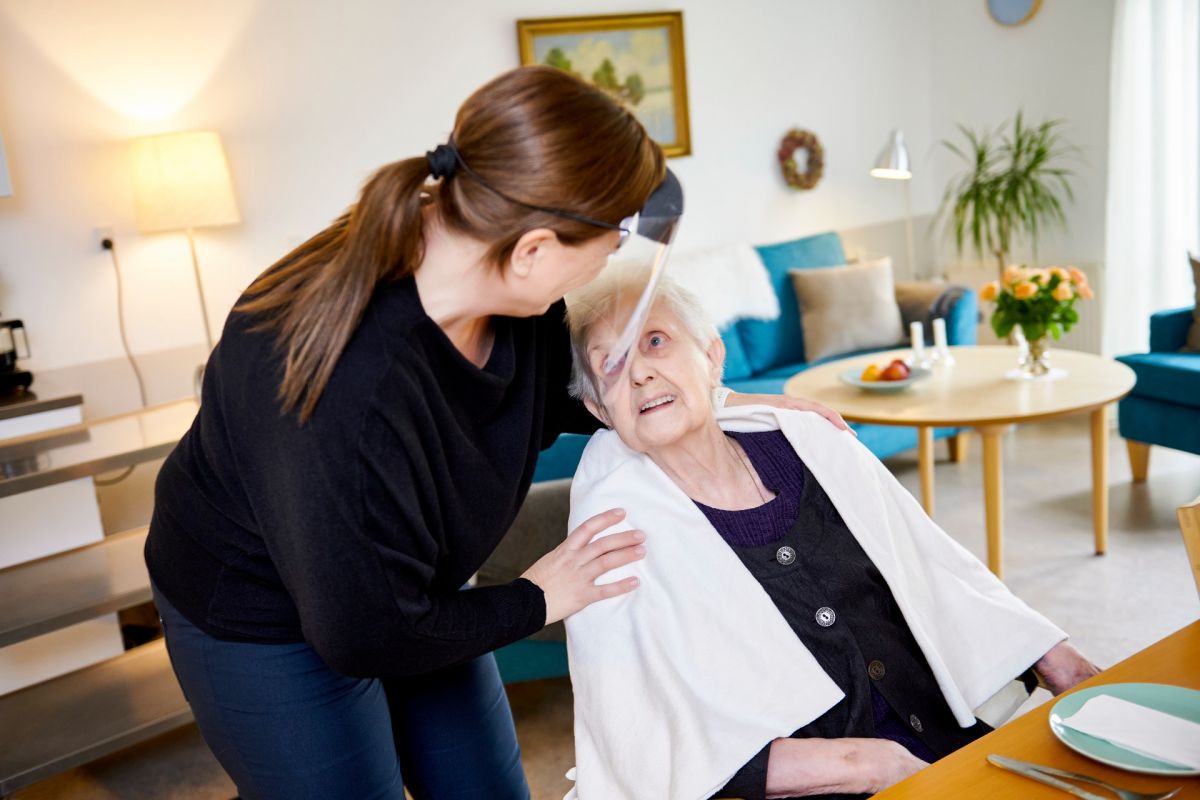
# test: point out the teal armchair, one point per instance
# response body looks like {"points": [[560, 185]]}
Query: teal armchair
{"points": [[1164, 407]]}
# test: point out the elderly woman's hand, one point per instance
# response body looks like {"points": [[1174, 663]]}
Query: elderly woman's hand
{"points": [[793, 403], [567, 574], [1063, 667], [837, 766]]}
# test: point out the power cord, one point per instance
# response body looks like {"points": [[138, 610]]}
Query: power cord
{"points": [[111, 246], [111, 481]]}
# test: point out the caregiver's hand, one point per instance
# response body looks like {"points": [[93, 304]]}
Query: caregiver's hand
{"points": [[567, 574], [793, 403], [799, 767], [1063, 667]]}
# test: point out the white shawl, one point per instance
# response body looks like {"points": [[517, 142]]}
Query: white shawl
{"points": [[680, 683]]}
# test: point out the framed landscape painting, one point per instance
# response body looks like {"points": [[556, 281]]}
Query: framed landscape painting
{"points": [[636, 58]]}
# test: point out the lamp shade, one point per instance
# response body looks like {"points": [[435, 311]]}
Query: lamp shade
{"points": [[181, 180], [5, 181], [892, 162]]}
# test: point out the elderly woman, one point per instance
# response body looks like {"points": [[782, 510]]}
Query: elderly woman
{"points": [[801, 627]]}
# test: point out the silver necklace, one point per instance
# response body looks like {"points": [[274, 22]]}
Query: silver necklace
{"points": [[737, 453]]}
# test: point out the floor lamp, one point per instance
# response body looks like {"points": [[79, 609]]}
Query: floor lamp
{"points": [[892, 164], [181, 182]]}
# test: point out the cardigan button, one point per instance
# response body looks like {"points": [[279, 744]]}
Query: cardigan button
{"points": [[825, 616], [785, 555], [915, 722], [876, 670]]}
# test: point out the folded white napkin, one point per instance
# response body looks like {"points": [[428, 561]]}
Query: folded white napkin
{"points": [[1145, 731]]}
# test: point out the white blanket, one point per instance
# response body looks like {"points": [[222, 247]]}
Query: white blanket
{"points": [[679, 683]]}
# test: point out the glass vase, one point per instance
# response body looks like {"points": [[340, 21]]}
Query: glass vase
{"points": [[1035, 358]]}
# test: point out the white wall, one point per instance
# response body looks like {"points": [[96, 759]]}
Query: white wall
{"points": [[310, 96], [1054, 67]]}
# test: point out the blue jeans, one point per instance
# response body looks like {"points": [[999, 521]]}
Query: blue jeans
{"points": [[285, 726]]}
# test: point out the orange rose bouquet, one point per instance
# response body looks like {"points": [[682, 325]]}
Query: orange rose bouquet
{"points": [[1040, 301]]}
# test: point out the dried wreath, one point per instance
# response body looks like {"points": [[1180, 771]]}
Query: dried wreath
{"points": [[800, 139]]}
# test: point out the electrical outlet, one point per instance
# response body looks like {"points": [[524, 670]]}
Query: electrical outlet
{"points": [[100, 233]]}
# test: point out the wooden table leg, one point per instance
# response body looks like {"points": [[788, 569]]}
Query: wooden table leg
{"points": [[993, 495], [1100, 479], [958, 444], [925, 464], [1139, 459]]}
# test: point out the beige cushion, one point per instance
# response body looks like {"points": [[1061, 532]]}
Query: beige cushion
{"points": [[1193, 337], [847, 308]]}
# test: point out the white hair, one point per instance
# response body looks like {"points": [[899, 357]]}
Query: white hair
{"points": [[599, 300]]}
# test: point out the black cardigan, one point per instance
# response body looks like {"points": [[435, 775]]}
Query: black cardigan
{"points": [[356, 530]]}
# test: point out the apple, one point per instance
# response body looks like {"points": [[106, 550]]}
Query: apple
{"points": [[871, 374], [895, 371]]}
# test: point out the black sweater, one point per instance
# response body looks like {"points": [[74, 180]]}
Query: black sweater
{"points": [[356, 530]]}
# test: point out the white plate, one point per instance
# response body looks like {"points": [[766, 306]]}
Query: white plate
{"points": [[1177, 700], [915, 376]]}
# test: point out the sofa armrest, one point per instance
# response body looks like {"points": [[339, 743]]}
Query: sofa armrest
{"points": [[922, 301], [1169, 329]]}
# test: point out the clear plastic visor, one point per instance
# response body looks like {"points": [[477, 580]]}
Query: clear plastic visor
{"points": [[646, 239]]}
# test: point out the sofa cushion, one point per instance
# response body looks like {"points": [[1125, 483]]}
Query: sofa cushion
{"points": [[962, 320], [737, 366], [1169, 329], [1171, 377], [1143, 419], [886, 441], [847, 308], [772, 343], [560, 459]]}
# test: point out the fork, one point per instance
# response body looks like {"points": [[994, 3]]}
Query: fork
{"points": [[1124, 794]]}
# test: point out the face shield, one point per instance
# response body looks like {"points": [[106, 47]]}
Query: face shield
{"points": [[645, 244]]}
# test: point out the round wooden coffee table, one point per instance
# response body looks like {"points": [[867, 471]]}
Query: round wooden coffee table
{"points": [[974, 393]]}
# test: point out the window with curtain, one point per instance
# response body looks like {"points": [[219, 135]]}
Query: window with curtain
{"points": [[1153, 216]]}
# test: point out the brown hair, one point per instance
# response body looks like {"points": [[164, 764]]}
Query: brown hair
{"points": [[537, 134]]}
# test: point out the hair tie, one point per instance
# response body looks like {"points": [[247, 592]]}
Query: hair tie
{"points": [[443, 161]]}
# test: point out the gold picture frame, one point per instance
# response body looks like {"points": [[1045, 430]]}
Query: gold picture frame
{"points": [[636, 58]]}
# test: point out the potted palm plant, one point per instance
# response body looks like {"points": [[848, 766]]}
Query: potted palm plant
{"points": [[1015, 185]]}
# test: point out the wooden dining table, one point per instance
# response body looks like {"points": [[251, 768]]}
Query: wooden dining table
{"points": [[967, 774]]}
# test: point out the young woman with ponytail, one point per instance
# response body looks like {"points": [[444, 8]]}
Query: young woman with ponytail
{"points": [[369, 425]]}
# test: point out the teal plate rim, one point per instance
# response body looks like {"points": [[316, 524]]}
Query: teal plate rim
{"points": [[915, 376], [1177, 700]]}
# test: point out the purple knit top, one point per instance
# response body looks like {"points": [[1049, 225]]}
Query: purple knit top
{"points": [[782, 471]]}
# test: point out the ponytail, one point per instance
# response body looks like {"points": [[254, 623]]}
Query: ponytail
{"points": [[549, 139], [315, 296]]}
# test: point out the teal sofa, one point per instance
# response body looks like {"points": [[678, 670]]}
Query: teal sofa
{"points": [[760, 355], [1164, 406]]}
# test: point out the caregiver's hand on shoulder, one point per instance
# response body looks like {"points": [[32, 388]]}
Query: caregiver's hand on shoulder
{"points": [[793, 403], [567, 574], [799, 767], [1063, 667]]}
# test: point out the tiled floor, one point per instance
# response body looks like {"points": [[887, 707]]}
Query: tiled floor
{"points": [[1112, 606]]}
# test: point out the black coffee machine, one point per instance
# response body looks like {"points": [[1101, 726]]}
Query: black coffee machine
{"points": [[13, 381]]}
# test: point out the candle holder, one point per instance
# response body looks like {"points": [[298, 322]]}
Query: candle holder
{"points": [[920, 356], [940, 346]]}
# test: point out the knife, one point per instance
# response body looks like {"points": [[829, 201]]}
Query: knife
{"points": [[1020, 768]]}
